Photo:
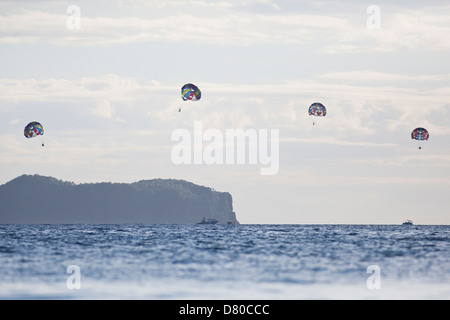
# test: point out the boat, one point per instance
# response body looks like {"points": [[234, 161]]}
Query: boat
{"points": [[407, 223], [208, 221]]}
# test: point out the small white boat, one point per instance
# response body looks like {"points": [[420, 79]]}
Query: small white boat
{"points": [[208, 221], [407, 223]]}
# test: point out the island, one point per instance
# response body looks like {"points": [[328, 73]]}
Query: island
{"points": [[36, 199]]}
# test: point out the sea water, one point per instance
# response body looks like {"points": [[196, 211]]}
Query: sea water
{"points": [[224, 262]]}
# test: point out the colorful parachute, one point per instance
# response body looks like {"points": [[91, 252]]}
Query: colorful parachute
{"points": [[190, 92], [420, 134], [33, 129], [317, 109]]}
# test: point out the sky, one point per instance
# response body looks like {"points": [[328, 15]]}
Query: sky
{"points": [[104, 79]]}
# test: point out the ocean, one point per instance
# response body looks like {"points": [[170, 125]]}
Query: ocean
{"points": [[196, 262]]}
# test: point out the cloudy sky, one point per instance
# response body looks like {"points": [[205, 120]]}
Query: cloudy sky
{"points": [[104, 79]]}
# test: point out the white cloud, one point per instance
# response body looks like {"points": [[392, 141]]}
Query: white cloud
{"points": [[110, 86], [376, 78], [104, 109], [221, 24], [353, 108], [337, 142]]}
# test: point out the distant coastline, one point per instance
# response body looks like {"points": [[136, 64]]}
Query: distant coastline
{"points": [[47, 200]]}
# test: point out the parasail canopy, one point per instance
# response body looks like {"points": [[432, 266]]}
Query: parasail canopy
{"points": [[33, 129], [420, 134], [190, 92], [317, 109]]}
